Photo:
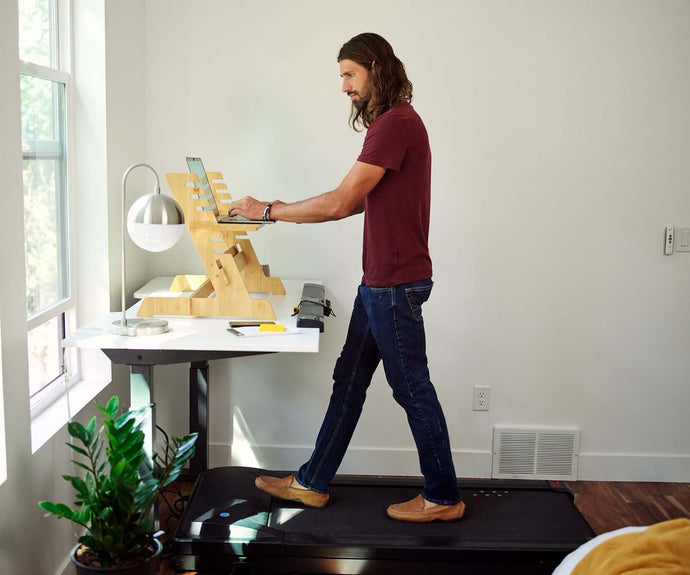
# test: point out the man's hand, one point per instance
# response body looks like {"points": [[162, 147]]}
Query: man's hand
{"points": [[247, 207]]}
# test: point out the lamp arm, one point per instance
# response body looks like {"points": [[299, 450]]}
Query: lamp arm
{"points": [[124, 227]]}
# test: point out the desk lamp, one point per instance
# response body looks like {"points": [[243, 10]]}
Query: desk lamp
{"points": [[155, 223]]}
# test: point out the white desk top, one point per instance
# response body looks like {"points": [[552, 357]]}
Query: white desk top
{"points": [[196, 333]]}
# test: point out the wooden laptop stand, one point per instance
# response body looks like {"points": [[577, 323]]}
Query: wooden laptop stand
{"points": [[233, 270]]}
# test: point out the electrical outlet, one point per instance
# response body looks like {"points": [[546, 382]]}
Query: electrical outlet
{"points": [[480, 398], [669, 234]]}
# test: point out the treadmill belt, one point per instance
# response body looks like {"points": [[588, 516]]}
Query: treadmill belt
{"points": [[509, 527]]}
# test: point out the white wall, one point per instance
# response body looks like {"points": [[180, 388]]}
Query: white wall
{"points": [[560, 133]]}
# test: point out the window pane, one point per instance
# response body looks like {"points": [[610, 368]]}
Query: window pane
{"points": [[42, 108], [45, 361], [45, 237], [41, 236], [36, 32]]}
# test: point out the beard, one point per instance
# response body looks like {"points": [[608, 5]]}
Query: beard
{"points": [[360, 104], [363, 98]]}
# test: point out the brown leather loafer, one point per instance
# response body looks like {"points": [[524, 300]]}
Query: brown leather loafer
{"points": [[281, 488], [413, 511]]}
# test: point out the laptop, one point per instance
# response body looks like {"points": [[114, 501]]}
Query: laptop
{"points": [[196, 166]]}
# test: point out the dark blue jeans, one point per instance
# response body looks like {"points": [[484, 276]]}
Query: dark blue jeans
{"points": [[386, 325]]}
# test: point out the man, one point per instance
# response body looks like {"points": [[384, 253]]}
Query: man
{"points": [[391, 183]]}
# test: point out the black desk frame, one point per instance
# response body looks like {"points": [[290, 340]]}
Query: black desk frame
{"points": [[141, 382]]}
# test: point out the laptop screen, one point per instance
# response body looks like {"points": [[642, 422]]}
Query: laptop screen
{"points": [[196, 166]]}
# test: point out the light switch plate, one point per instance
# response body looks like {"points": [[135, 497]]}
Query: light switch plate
{"points": [[682, 239]]}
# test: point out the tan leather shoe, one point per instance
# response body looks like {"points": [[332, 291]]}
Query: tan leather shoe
{"points": [[414, 511], [281, 488]]}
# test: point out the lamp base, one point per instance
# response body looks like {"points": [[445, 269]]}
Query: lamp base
{"points": [[139, 326]]}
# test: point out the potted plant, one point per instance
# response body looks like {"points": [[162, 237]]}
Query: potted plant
{"points": [[115, 498]]}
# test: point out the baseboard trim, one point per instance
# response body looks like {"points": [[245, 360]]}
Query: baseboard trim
{"points": [[385, 461], [634, 467], [358, 460]]}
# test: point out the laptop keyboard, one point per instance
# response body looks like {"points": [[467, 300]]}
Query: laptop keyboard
{"points": [[236, 219]]}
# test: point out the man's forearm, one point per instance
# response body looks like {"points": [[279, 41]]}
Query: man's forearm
{"points": [[322, 208], [346, 200]]}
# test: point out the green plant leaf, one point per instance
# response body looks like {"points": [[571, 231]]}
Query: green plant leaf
{"points": [[186, 442], [132, 441], [117, 470], [82, 465], [77, 430], [126, 420], [113, 406], [80, 486], [79, 450], [59, 509], [134, 455], [97, 448], [91, 430]]}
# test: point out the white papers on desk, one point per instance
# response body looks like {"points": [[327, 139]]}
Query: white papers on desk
{"points": [[253, 331]]}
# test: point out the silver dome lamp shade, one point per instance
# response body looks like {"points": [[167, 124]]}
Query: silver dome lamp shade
{"points": [[155, 223]]}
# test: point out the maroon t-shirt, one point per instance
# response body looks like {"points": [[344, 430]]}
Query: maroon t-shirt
{"points": [[396, 211]]}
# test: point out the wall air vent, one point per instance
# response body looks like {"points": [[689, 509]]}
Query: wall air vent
{"points": [[535, 453]]}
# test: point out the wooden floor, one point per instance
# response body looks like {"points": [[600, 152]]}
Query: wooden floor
{"points": [[612, 505], [605, 505]]}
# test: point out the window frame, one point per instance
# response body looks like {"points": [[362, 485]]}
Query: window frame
{"points": [[64, 310], [59, 77]]}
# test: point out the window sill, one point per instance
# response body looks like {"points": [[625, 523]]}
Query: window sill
{"points": [[49, 420]]}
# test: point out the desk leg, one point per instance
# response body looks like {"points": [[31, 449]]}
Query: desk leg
{"points": [[198, 414], [141, 395]]}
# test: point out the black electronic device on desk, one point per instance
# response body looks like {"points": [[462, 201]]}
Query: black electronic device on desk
{"points": [[313, 306], [516, 527]]}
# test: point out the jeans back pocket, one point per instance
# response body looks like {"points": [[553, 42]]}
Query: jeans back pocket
{"points": [[416, 296]]}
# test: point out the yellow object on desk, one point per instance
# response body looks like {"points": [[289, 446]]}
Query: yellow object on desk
{"points": [[271, 327]]}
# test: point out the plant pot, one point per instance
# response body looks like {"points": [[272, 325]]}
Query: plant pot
{"points": [[147, 567]]}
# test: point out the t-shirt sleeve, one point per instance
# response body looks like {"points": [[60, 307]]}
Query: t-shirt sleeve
{"points": [[384, 144]]}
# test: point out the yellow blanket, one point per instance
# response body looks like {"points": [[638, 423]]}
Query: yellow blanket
{"points": [[663, 549]]}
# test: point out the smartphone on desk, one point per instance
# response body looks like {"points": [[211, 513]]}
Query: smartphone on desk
{"points": [[248, 323]]}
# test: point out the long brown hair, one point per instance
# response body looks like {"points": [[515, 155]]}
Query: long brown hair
{"points": [[389, 83]]}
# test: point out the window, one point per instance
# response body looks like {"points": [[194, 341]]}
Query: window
{"points": [[45, 88]]}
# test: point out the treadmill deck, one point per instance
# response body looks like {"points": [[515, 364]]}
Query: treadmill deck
{"points": [[509, 527]]}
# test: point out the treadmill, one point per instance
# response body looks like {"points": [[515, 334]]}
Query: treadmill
{"points": [[510, 526]]}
